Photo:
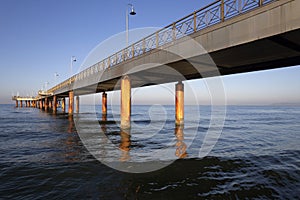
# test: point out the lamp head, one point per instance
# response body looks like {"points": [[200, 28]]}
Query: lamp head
{"points": [[132, 12]]}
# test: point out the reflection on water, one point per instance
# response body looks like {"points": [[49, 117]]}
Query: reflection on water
{"points": [[103, 123], [125, 144], [180, 145], [71, 127], [257, 157]]}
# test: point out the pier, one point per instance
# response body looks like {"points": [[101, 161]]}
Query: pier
{"points": [[239, 36]]}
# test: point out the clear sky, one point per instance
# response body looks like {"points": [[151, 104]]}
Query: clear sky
{"points": [[38, 38]]}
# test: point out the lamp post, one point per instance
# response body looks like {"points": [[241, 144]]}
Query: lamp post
{"points": [[46, 84], [73, 59], [55, 77], [132, 12]]}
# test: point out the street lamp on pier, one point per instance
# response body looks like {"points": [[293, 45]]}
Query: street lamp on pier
{"points": [[132, 12], [73, 59]]}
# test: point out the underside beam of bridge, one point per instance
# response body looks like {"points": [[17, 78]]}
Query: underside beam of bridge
{"points": [[125, 102]]}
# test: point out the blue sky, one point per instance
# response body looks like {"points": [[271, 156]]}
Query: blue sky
{"points": [[37, 39]]}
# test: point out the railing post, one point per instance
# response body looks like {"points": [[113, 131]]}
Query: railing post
{"points": [[144, 45], [222, 11], [156, 39], [123, 55], [132, 50], [195, 22], [173, 32], [108, 62], [261, 2]]}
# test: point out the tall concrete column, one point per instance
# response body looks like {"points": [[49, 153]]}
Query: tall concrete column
{"points": [[125, 102], [179, 104], [54, 104], [77, 104], [71, 102], [25, 103], [46, 104], [104, 103], [63, 105], [50, 104], [17, 103], [41, 103], [21, 103]]}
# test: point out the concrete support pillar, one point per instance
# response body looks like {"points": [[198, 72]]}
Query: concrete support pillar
{"points": [[17, 103], [46, 104], [77, 104], [50, 103], [104, 103], [63, 105], [71, 102], [41, 104], [179, 104], [21, 103], [54, 104], [125, 102], [25, 103]]}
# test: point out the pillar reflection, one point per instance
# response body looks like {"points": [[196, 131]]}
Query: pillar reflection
{"points": [[71, 124], [180, 145], [125, 144], [103, 123]]}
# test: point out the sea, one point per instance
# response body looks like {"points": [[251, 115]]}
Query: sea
{"points": [[250, 152]]}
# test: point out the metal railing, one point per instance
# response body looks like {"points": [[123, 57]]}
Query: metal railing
{"points": [[212, 14]]}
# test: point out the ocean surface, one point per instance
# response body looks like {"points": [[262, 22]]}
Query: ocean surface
{"points": [[47, 156]]}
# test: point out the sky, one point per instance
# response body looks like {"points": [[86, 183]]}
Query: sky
{"points": [[38, 39]]}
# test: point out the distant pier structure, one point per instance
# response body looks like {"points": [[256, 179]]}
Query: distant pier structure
{"points": [[239, 36]]}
